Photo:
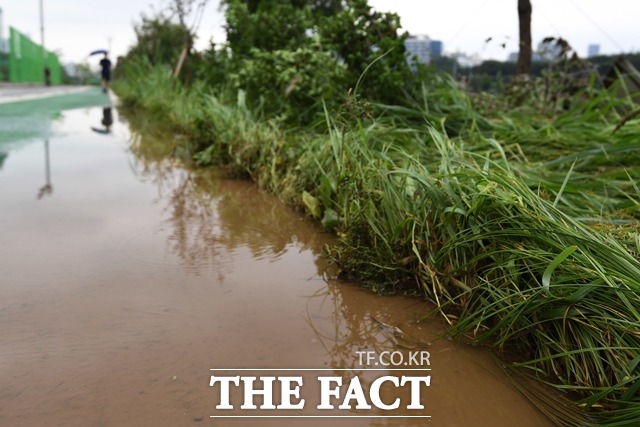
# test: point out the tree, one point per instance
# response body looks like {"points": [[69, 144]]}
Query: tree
{"points": [[360, 36], [159, 40], [266, 25], [166, 37], [182, 9], [524, 56], [356, 36]]}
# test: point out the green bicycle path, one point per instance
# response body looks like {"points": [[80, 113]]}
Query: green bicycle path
{"points": [[91, 97]]}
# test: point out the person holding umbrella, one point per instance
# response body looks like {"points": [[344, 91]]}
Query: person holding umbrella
{"points": [[105, 66]]}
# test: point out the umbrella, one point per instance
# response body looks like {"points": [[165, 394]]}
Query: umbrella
{"points": [[102, 131], [99, 52]]}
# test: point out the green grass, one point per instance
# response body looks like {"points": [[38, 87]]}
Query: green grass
{"points": [[521, 228]]}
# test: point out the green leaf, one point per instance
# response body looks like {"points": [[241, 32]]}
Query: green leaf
{"points": [[546, 277], [583, 291], [312, 204], [330, 219]]}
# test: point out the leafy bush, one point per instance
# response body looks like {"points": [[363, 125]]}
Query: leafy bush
{"points": [[292, 83]]}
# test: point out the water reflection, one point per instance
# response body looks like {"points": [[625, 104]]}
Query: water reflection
{"points": [[47, 188], [209, 218], [19, 131], [107, 121], [3, 157], [358, 324]]}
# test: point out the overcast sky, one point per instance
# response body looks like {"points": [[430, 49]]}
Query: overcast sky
{"points": [[76, 27]]}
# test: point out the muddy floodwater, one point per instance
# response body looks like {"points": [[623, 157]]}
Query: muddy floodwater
{"points": [[126, 278]]}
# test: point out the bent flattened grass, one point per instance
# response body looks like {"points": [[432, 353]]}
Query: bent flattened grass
{"points": [[523, 229]]}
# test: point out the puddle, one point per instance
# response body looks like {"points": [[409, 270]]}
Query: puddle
{"points": [[131, 277]]}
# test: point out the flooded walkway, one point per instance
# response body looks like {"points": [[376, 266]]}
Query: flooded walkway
{"points": [[127, 277]]}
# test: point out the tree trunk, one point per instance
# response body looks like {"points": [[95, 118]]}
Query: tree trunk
{"points": [[183, 55], [524, 56]]}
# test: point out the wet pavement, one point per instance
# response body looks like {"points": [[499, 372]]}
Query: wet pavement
{"points": [[127, 277]]}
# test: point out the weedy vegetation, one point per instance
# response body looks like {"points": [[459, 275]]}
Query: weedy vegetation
{"points": [[517, 214]]}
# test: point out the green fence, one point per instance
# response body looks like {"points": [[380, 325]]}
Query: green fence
{"points": [[4, 66], [27, 60]]}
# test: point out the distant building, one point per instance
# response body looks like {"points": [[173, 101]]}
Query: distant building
{"points": [[436, 47], [593, 50], [419, 48]]}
